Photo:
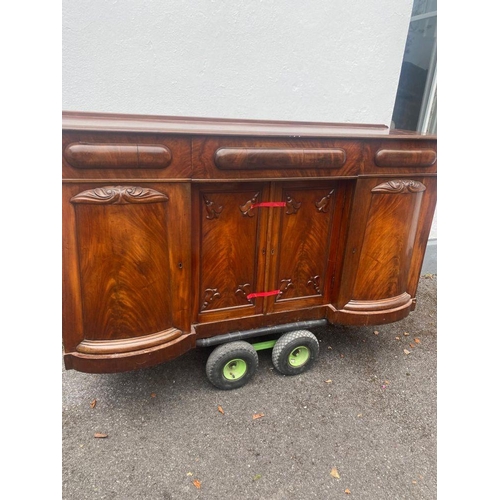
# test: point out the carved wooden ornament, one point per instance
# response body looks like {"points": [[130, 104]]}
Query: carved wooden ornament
{"points": [[399, 186], [119, 195]]}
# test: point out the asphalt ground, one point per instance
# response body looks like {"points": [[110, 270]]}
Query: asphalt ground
{"points": [[365, 412]]}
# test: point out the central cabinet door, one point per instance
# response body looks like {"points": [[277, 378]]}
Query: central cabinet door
{"points": [[264, 248], [304, 244], [229, 240]]}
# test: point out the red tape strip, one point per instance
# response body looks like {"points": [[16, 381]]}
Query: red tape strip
{"points": [[270, 204], [263, 294]]}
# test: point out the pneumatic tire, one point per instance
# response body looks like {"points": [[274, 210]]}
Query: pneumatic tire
{"points": [[232, 365], [295, 352]]}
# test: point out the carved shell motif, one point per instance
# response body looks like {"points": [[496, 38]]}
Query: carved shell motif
{"points": [[399, 186], [119, 195]]}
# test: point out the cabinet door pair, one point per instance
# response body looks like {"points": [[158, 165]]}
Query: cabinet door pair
{"points": [[264, 247]]}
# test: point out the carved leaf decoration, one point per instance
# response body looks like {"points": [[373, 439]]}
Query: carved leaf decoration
{"points": [[399, 186], [313, 281], [212, 210], [119, 195], [246, 208], [322, 205], [244, 290], [292, 206], [210, 295], [284, 286]]}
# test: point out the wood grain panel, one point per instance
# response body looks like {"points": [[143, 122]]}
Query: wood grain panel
{"points": [[98, 156], [404, 158], [72, 320], [274, 158], [303, 242], [400, 157], [386, 253], [80, 155], [279, 158], [124, 267], [229, 248]]}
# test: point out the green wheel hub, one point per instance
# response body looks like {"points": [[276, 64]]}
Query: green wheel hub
{"points": [[299, 356], [234, 369]]}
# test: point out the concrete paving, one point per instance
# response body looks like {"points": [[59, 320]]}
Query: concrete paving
{"points": [[366, 409]]}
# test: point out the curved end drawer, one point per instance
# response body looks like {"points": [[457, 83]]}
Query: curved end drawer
{"points": [[272, 158], [139, 156], [401, 158]]}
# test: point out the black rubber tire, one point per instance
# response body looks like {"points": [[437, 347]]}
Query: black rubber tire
{"points": [[222, 355], [286, 345]]}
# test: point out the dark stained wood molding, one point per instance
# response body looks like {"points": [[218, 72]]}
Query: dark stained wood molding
{"points": [[401, 158], [378, 305], [276, 158], [92, 156], [127, 361], [111, 122], [127, 345]]}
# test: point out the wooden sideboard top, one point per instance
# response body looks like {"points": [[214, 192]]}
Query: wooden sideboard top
{"points": [[112, 122]]}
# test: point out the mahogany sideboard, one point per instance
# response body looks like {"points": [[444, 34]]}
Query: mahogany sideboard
{"points": [[180, 232]]}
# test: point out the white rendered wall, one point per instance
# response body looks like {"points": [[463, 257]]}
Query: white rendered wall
{"points": [[324, 60]]}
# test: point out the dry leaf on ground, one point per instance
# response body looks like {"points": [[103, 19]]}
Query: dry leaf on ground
{"points": [[376, 332], [335, 473], [257, 415], [417, 341], [347, 491], [329, 381], [100, 435], [406, 334], [92, 405], [220, 409], [189, 474], [197, 483], [406, 351], [153, 395]]}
